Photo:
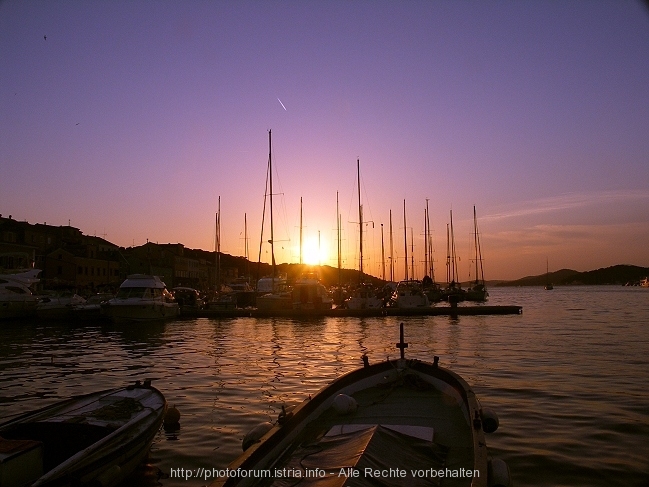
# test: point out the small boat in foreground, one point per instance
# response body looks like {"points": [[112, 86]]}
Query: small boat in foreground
{"points": [[400, 422], [93, 439]]}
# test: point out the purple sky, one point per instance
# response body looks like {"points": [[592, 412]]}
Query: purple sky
{"points": [[133, 117]]}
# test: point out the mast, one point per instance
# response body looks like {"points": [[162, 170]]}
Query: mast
{"points": [[426, 239], [391, 251], [412, 251], [382, 255], [429, 245], [272, 237], [360, 219], [245, 244], [217, 245], [300, 230], [477, 247], [405, 238], [453, 254], [448, 256], [339, 247]]}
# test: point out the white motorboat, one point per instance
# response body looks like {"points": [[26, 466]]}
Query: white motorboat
{"points": [[409, 294], [16, 297], [363, 296], [58, 306], [90, 310], [142, 297], [310, 293], [93, 439]]}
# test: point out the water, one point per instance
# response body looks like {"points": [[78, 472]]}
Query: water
{"points": [[568, 378]]}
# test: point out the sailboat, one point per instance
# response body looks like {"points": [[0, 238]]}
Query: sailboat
{"points": [[548, 285], [453, 292], [273, 293], [409, 292], [364, 295], [477, 292]]}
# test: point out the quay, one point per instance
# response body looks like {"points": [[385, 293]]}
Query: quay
{"points": [[360, 313]]}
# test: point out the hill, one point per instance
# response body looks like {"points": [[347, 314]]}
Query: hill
{"points": [[618, 274]]}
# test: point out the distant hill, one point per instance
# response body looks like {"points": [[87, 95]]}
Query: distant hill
{"points": [[617, 274]]}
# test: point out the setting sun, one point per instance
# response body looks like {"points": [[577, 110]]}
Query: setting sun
{"points": [[315, 252]]}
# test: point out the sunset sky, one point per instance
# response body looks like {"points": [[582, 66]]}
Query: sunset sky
{"points": [[129, 119]]}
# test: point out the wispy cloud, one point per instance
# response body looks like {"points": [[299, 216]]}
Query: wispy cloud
{"points": [[569, 201]]}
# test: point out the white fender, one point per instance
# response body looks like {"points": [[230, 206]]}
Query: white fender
{"points": [[344, 404], [255, 434]]}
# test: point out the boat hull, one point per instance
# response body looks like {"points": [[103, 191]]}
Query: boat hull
{"points": [[92, 439], [314, 415]]}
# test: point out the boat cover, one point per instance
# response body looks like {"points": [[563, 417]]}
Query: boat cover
{"points": [[339, 458]]}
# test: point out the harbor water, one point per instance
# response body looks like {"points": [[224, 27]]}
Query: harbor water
{"points": [[568, 378]]}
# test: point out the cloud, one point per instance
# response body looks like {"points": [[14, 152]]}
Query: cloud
{"points": [[568, 201]]}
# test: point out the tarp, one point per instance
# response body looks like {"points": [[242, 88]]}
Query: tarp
{"points": [[370, 457]]}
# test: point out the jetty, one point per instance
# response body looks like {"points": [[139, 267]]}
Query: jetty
{"points": [[359, 313]]}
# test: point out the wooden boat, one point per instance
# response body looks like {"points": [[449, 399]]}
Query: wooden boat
{"points": [[400, 422], [93, 439]]}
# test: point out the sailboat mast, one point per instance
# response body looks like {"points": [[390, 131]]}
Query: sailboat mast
{"points": [[217, 243], [412, 251], [300, 230], [405, 239], [272, 236], [453, 255], [448, 256], [391, 251], [475, 243], [360, 219], [245, 246], [382, 255], [426, 239], [339, 246]]}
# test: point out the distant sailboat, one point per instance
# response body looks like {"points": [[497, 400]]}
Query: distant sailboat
{"points": [[548, 285], [477, 292]]}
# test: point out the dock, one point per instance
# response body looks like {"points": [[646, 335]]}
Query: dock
{"points": [[358, 313]]}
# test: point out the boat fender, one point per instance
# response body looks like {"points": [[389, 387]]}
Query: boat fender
{"points": [[489, 420], [344, 404], [171, 419], [498, 473], [255, 434], [109, 475]]}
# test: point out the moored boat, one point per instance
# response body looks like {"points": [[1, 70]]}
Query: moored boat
{"points": [[399, 422], [142, 297], [16, 297], [93, 439], [409, 294], [58, 306], [90, 310]]}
